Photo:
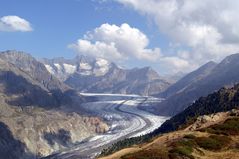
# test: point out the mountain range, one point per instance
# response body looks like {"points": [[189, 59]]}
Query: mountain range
{"points": [[201, 82], [97, 75], [35, 92]]}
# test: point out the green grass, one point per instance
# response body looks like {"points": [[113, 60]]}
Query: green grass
{"points": [[213, 142], [185, 146], [229, 127], [182, 147], [148, 154], [189, 136], [181, 151]]}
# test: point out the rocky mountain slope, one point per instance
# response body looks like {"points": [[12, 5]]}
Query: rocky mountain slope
{"points": [[223, 100], [39, 114], [36, 70], [189, 80], [101, 76], [205, 80]]}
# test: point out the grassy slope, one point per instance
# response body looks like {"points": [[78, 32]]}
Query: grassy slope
{"points": [[220, 140]]}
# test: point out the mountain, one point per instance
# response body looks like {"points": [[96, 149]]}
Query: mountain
{"points": [[35, 69], [189, 80], [37, 110], [223, 100], [63, 68], [101, 76], [205, 80], [28, 80]]}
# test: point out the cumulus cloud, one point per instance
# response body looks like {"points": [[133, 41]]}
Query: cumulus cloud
{"points": [[208, 28], [14, 23], [116, 43]]}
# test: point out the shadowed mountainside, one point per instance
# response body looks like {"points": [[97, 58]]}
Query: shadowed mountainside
{"points": [[207, 79], [11, 148]]}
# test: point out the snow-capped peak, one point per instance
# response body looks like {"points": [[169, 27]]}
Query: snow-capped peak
{"points": [[102, 62], [70, 69], [102, 66], [50, 69], [85, 66]]}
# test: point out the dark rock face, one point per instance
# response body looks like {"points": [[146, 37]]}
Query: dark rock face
{"points": [[205, 80], [27, 82], [11, 148], [101, 76], [33, 68], [27, 93], [63, 137]]}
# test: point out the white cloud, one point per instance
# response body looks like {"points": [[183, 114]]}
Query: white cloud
{"points": [[208, 28], [175, 64], [120, 43], [116, 43], [97, 49], [14, 23]]}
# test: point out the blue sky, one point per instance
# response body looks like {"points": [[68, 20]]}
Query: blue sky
{"points": [[169, 35], [57, 23]]}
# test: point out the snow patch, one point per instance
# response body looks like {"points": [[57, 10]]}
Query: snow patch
{"points": [[101, 71], [85, 66], [86, 73], [102, 62], [50, 69], [102, 67], [108, 94], [58, 66], [70, 69]]}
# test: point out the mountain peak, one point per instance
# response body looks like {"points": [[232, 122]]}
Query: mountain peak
{"points": [[190, 79], [148, 68], [13, 54], [210, 63], [35, 69], [234, 58]]}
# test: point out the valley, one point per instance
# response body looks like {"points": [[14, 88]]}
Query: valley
{"points": [[119, 79], [126, 120]]}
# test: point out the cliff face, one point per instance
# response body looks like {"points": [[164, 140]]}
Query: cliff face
{"points": [[43, 132]]}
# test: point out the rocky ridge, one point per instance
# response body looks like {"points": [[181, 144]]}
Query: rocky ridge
{"points": [[97, 75], [207, 79]]}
